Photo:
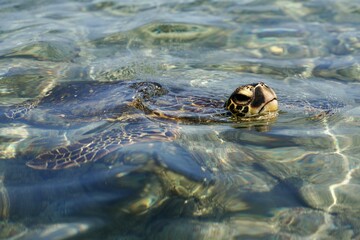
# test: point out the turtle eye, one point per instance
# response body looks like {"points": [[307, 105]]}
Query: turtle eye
{"points": [[241, 98]]}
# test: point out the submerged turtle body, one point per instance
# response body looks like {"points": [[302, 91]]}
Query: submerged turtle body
{"points": [[146, 118], [145, 112]]}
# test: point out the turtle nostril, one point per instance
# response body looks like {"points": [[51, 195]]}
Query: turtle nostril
{"points": [[241, 98]]}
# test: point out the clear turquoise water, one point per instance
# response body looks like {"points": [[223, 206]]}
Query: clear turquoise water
{"points": [[293, 178]]}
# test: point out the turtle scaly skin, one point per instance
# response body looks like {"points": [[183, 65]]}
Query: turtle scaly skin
{"points": [[93, 148]]}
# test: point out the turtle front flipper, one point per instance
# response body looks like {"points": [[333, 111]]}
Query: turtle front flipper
{"points": [[20, 110], [83, 151], [93, 148]]}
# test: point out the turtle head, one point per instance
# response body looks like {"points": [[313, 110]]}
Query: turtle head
{"points": [[252, 100]]}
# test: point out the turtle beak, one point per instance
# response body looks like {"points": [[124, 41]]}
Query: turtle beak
{"points": [[268, 97], [270, 106]]}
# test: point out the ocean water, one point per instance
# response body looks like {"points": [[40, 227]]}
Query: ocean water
{"points": [[69, 74]]}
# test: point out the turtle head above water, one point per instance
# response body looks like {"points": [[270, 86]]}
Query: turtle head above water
{"points": [[252, 100]]}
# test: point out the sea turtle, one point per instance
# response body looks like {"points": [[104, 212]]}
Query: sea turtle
{"points": [[146, 112]]}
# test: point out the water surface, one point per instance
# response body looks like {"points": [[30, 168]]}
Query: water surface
{"points": [[295, 177]]}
